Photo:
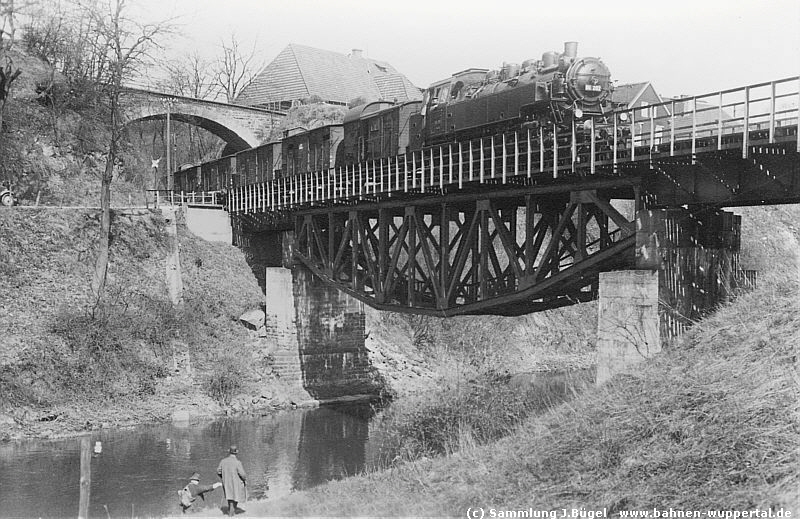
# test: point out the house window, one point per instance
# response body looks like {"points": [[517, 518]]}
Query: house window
{"points": [[645, 110]]}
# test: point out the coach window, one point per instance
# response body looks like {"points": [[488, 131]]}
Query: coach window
{"points": [[456, 89]]}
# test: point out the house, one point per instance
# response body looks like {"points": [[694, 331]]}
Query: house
{"points": [[639, 97], [300, 72], [702, 118]]}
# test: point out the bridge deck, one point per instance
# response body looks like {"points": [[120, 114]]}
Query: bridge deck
{"points": [[685, 128]]}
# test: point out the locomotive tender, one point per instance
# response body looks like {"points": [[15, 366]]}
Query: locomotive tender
{"points": [[555, 91]]}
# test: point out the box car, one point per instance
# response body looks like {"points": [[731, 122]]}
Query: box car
{"points": [[312, 150], [378, 130]]}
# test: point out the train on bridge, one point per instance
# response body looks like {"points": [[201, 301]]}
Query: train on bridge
{"points": [[560, 92], [493, 194]]}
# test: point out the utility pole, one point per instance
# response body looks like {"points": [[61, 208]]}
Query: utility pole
{"points": [[169, 146]]}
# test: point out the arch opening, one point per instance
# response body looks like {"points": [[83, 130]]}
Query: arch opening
{"points": [[234, 143]]}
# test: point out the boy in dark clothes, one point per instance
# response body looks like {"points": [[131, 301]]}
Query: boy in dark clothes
{"points": [[196, 489]]}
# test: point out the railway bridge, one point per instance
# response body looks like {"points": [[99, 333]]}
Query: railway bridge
{"points": [[240, 126], [631, 210]]}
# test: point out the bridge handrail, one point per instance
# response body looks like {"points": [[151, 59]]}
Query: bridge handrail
{"points": [[721, 120], [166, 197]]}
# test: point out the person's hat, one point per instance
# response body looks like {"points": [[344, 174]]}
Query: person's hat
{"points": [[234, 449], [196, 476]]}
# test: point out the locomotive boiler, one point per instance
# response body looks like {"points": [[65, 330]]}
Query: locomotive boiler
{"points": [[555, 89]]}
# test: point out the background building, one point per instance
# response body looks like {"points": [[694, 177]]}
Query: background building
{"points": [[299, 73]]}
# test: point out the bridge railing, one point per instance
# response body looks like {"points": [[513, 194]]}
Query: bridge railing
{"points": [[165, 197], [765, 113], [769, 112]]}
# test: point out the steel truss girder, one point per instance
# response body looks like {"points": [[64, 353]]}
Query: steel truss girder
{"points": [[769, 175], [499, 254]]}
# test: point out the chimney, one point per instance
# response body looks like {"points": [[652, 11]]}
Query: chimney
{"points": [[356, 53]]}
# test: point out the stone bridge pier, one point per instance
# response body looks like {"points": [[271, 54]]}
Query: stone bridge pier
{"points": [[687, 263], [318, 332]]}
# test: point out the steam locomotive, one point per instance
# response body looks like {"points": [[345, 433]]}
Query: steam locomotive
{"points": [[551, 93]]}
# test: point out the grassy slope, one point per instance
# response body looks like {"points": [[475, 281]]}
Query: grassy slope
{"points": [[712, 423], [47, 363]]}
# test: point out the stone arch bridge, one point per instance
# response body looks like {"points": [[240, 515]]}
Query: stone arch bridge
{"points": [[241, 127]]}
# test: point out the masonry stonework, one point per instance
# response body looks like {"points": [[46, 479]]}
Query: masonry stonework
{"points": [[689, 264], [241, 127], [627, 320], [319, 334]]}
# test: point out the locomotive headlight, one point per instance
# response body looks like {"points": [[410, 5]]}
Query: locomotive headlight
{"points": [[623, 117], [578, 113]]}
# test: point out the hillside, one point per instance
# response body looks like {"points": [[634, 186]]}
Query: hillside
{"points": [[712, 423], [64, 370]]}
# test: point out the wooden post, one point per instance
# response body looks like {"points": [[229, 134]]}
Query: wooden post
{"points": [[471, 159], [555, 151], [529, 153], [694, 130], [86, 478], [460, 166], [672, 130], [592, 148], [541, 149], [482, 163], [746, 123], [405, 173], [169, 145], [719, 120]]}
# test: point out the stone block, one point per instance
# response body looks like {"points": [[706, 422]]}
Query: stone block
{"points": [[627, 321]]}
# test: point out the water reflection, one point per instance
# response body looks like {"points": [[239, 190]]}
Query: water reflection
{"points": [[140, 470]]}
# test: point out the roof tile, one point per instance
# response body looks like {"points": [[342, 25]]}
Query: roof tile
{"points": [[299, 72]]}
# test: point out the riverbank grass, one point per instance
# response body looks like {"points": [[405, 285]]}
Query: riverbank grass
{"points": [[712, 423]]}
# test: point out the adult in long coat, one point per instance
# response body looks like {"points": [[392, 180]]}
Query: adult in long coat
{"points": [[234, 479]]}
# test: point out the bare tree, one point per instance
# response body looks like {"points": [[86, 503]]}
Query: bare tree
{"points": [[120, 46], [234, 69], [8, 71], [191, 76]]}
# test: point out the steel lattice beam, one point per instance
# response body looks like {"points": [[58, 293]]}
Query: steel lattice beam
{"points": [[506, 254]]}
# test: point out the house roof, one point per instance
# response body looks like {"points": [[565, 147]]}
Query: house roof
{"points": [[628, 94], [299, 72]]}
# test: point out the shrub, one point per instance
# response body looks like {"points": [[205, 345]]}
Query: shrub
{"points": [[117, 350], [226, 380], [472, 413]]}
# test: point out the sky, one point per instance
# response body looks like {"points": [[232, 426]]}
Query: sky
{"points": [[681, 46]]}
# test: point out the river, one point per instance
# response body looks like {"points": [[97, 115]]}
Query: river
{"points": [[140, 470]]}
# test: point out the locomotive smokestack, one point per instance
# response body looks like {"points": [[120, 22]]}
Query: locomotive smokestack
{"points": [[571, 49]]}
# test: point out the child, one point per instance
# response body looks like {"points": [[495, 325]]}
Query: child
{"points": [[189, 493]]}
